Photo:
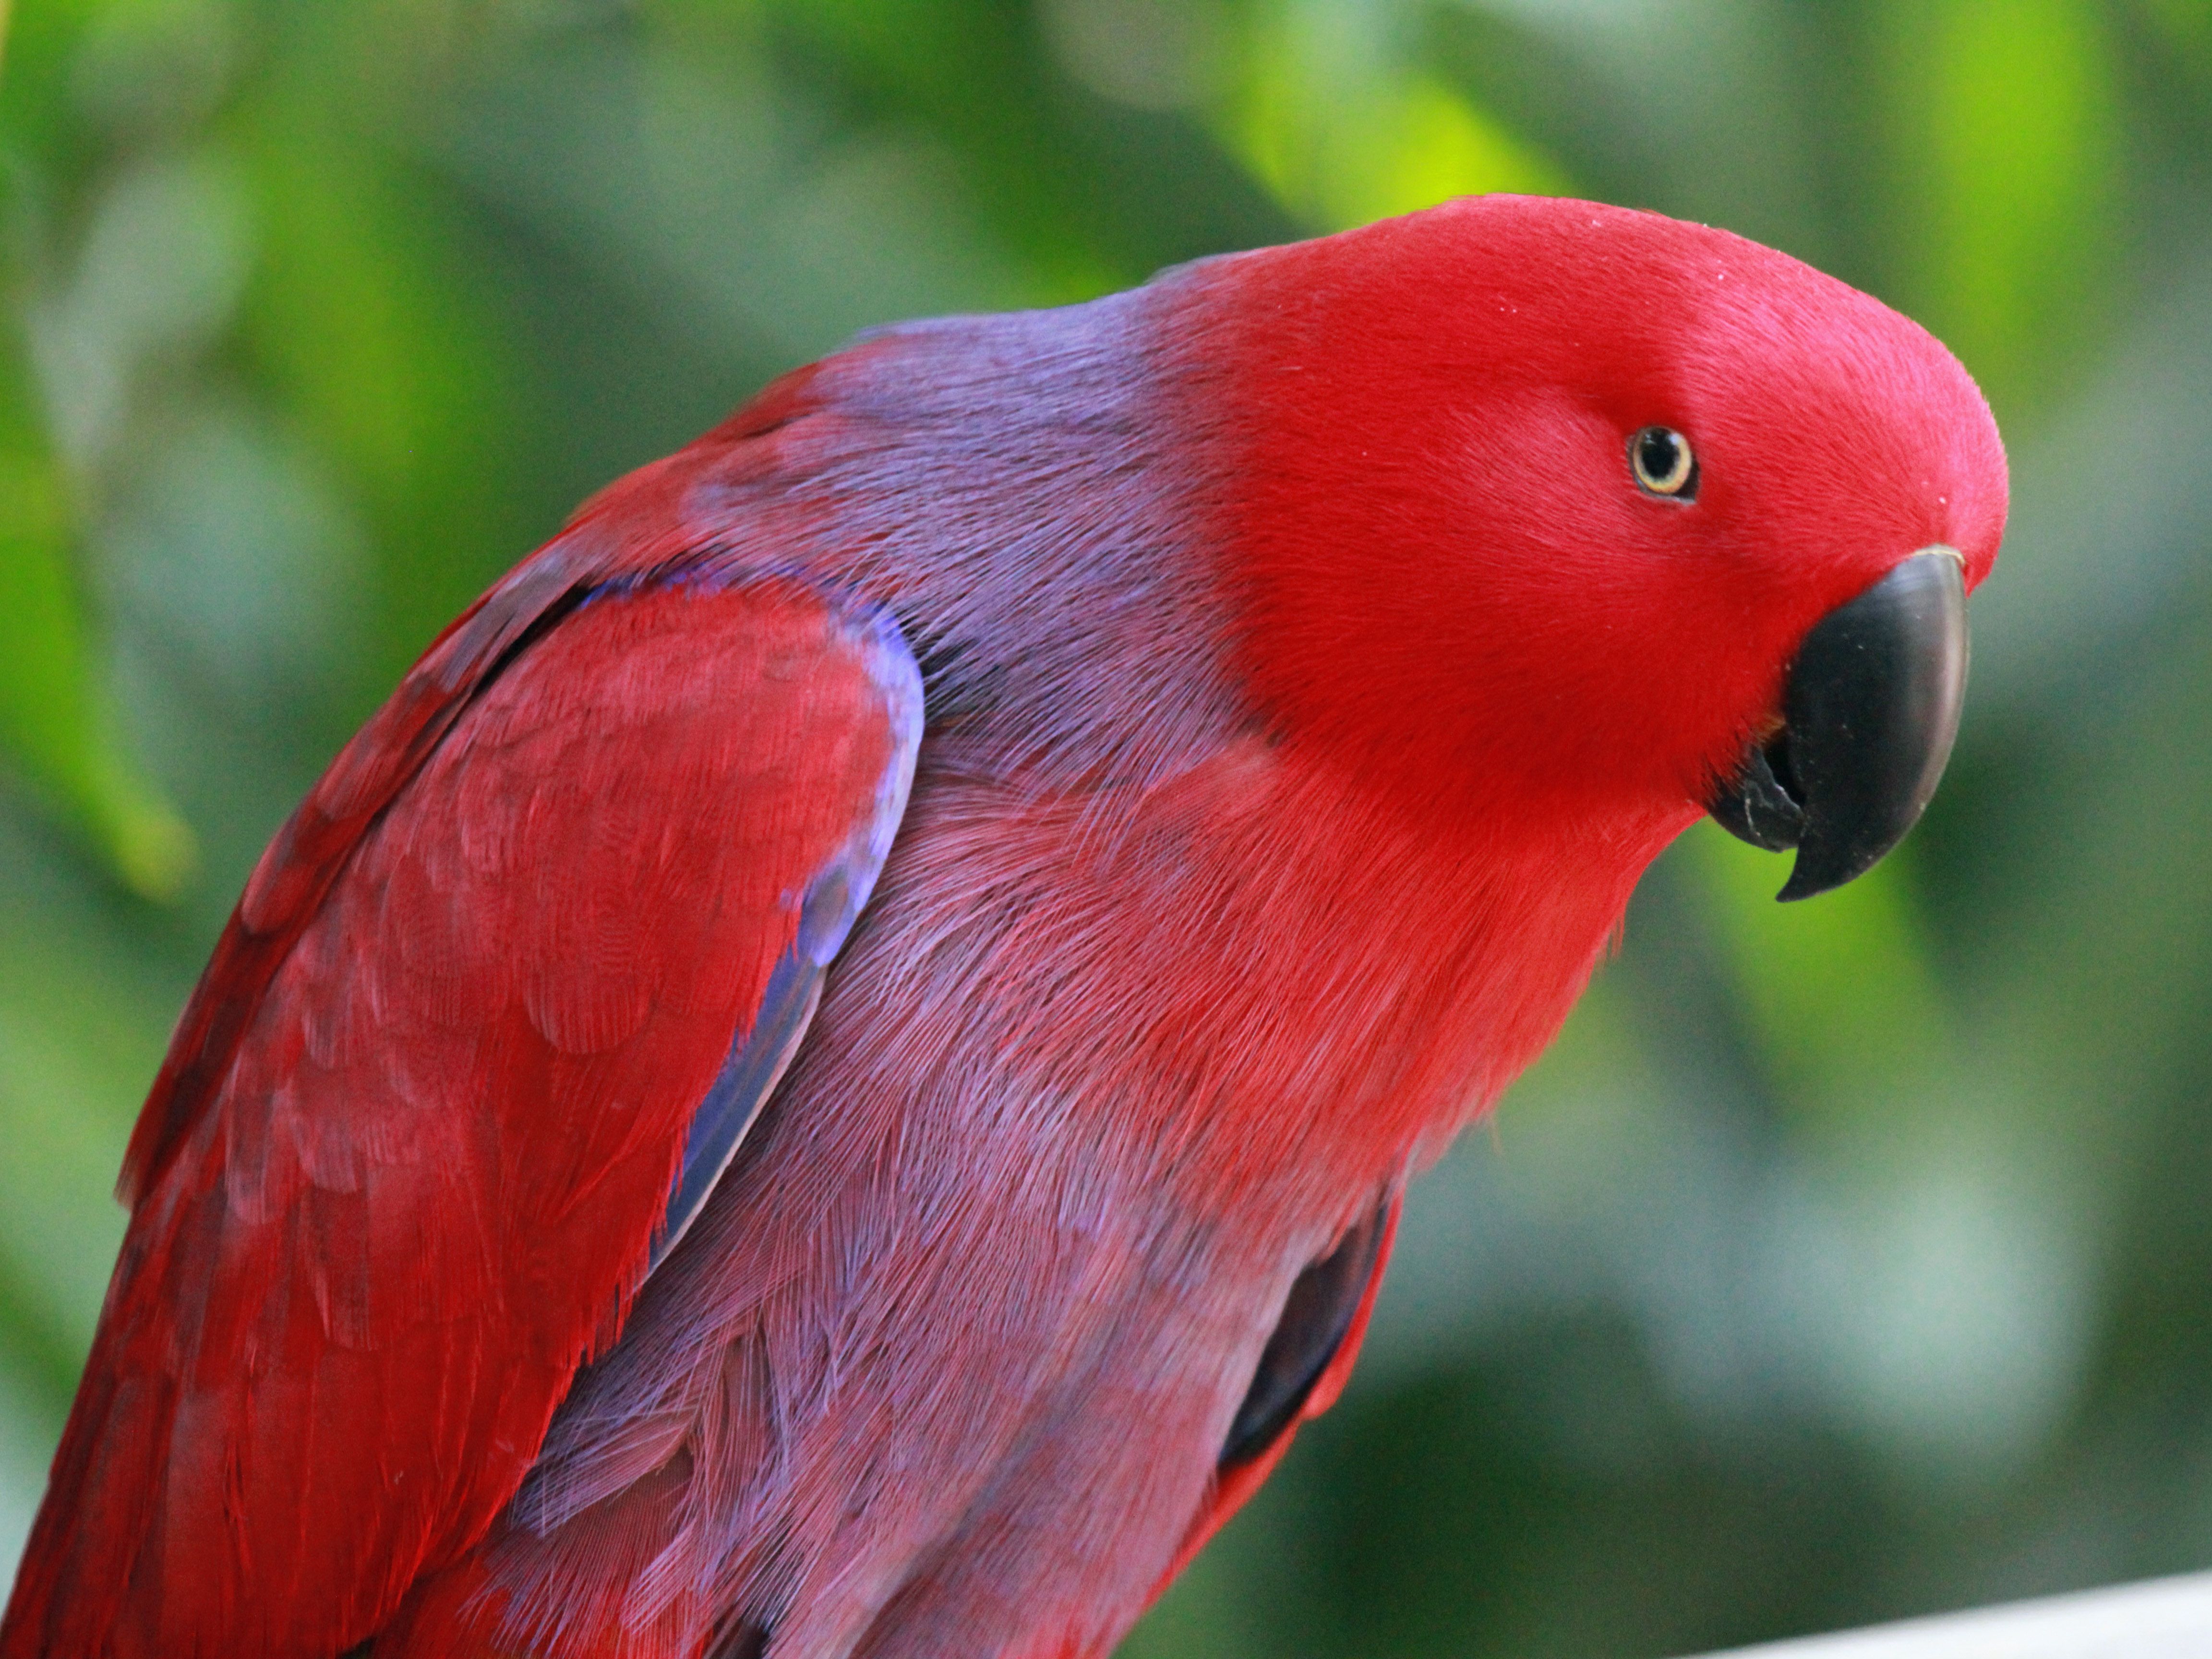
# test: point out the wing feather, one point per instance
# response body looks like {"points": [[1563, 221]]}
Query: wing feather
{"points": [[422, 1122]]}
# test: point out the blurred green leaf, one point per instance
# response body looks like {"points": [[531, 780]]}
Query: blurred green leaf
{"points": [[365, 320], [55, 721], [1344, 135], [1048, 171], [2005, 165], [1843, 999], [2184, 26], [83, 1018]]}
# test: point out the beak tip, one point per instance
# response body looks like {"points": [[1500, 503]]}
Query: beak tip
{"points": [[1809, 878]]}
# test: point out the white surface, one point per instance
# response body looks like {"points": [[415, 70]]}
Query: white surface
{"points": [[2165, 1619]]}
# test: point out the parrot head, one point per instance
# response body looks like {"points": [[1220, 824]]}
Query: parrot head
{"points": [[1579, 510]]}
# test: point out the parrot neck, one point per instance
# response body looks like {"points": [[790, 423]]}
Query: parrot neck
{"points": [[1041, 501], [1307, 991], [1457, 953], [1007, 486]]}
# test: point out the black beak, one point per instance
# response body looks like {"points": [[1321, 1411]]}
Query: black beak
{"points": [[1868, 713]]}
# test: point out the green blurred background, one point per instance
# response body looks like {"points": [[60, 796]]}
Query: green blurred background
{"points": [[1844, 1261]]}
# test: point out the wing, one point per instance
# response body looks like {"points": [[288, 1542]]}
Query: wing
{"points": [[494, 1009], [1302, 1371]]}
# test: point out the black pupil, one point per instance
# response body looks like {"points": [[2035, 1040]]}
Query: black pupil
{"points": [[1660, 451]]}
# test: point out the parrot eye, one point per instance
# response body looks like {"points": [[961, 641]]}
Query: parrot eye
{"points": [[1664, 464]]}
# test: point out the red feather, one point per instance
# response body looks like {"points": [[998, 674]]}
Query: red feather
{"points": [[400, 1176]]}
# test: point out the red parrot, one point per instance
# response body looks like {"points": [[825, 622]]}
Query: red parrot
{"points": [[831, 1077]]}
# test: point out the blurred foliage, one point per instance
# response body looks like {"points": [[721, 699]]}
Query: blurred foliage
{"points": [[1842, 1260]]}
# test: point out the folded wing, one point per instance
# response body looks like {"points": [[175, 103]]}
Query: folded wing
{"points": [[494, 1011]]}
